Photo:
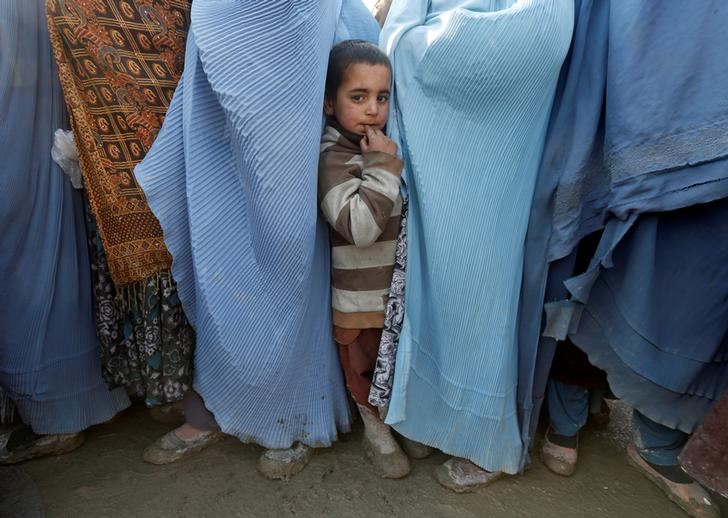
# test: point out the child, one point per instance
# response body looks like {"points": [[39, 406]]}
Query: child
{"points": [[359, 178]]}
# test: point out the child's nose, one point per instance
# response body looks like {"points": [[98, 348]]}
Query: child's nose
{"points": [[372, 108]]}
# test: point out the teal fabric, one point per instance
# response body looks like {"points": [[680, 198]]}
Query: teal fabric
{"points": [[474, 84]]}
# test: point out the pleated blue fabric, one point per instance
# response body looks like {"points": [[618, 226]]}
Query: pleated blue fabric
{"points": [[49, 357], [628, 137], [653, 312], [474, 84], [232, 178]]}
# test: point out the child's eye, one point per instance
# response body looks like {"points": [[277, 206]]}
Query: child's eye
{"points": [[357, 98], [383, 98]]}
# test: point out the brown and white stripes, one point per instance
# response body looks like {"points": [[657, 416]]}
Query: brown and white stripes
{"points": [[359, 197]]}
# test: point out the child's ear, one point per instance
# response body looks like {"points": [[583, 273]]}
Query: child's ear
{"points": [[328, 107]]}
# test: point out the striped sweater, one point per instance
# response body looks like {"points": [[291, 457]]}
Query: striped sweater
{"points": [[359, 197]]}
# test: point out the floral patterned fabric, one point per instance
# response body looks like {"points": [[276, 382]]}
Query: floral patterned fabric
{"points": [[393, 317], [146, 342]]}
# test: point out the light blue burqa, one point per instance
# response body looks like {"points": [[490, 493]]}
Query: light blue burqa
{"points": [[232, 178], [49, 357], [474, 84]]}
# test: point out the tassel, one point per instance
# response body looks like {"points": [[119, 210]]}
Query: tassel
{"points": [[132, 297]]}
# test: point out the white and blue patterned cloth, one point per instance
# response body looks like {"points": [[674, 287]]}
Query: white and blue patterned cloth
{"points": [[232, 178]]}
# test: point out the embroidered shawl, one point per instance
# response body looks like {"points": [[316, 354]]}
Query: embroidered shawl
{"points": [[119, 63]]}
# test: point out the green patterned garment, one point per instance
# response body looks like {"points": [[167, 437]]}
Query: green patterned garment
{"points": [[146, 341]]}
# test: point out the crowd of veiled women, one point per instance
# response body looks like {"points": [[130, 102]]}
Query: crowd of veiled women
{"points": [[557, 231]]}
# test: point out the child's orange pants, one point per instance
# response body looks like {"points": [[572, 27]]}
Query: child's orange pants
{"points": [[358, 349]]}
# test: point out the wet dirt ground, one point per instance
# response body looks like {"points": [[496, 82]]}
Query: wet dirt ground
{"points": [[107, 478]]}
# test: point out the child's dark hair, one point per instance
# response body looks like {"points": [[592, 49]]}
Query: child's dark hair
{"points": [[350, 52]]}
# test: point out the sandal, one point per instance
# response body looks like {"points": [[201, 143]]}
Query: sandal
{"points": [[21, 444], [381, 447], [462, 476], [414, 449], [170, 448], [283, 464], [677, 485], [559, 453]]}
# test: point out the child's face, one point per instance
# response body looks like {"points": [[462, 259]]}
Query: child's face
{"points": [[362, 98]]}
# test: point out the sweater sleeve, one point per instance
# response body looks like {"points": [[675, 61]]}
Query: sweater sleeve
{"points": [[358, 193]]}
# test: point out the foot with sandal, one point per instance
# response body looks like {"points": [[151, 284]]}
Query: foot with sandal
{"points": [[187, 440], [677, 485], [180, 443], [462, 476], [654, 451], [21, 444]]}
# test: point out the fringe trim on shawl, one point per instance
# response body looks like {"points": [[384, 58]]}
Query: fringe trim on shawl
{"points": [[131, 234], [131, 297]]}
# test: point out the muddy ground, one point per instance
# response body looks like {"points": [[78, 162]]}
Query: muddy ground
{"points": [[107, 478]]}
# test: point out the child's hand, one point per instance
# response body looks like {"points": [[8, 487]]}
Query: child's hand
{"points": [[375, 140]]}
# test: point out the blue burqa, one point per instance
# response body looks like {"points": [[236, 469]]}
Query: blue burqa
{"points": [[232, 178], [474, 84], [49, 357], [639, 128]]}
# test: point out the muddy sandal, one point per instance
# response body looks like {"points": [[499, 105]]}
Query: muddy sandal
{"points": [[21, 444], [559, 453], [381, 446], [414, 449], [462, 476], [170, 448], [677, 485], [283, 464]]}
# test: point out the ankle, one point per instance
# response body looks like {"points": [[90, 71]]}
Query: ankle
{"points": [[565, 441], [187, 432], [671, 472]]}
